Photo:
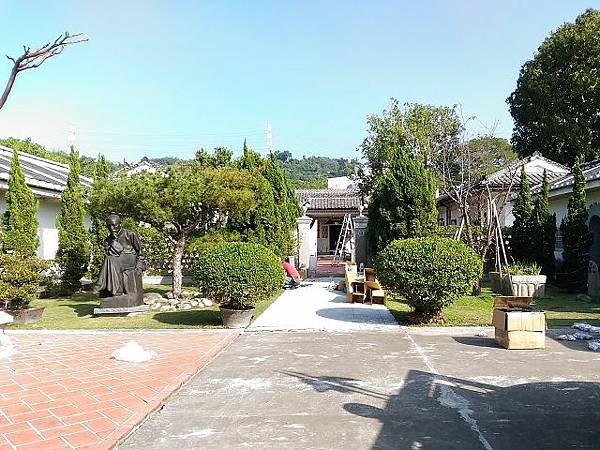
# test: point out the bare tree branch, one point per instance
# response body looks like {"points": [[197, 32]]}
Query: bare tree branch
{"points": [[32, 59]]}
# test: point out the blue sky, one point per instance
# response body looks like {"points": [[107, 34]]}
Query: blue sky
{"points": [[166, 78]]}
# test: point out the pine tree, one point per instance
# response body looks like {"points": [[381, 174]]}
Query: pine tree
{"points": [[521, 236], [576, 236], [20, 218], [543, 230], [98, 230], [73, 247], [403, 203]]}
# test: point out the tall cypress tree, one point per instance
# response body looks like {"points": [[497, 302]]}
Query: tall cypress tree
{"points": [[20, 218], [73, 246], [272, 222], [98, 230], [543, 229], [576, 236], [403, 203], [521, 237]]}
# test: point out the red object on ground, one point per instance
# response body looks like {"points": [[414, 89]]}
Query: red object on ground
{"points": [[290, 270], [63, 391]]}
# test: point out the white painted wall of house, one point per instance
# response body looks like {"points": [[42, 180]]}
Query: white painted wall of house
{"points": [[47, 231]]}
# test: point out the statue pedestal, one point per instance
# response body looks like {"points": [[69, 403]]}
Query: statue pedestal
{"points": [[122, 311], [122, 301]]}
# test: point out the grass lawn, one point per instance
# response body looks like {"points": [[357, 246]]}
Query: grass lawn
{"points": [[76, 313], [562, 309]]}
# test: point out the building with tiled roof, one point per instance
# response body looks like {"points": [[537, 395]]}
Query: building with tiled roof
{"points": [[47, 179], [328, 207], [499, 183]]}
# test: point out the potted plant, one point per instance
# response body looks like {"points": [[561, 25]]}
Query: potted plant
{"points": [[237, 275], [523, 280], [495, 281], [20, 278]]}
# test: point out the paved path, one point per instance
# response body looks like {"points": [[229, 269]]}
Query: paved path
{"points": [[61, 390], [314, 307], [404, 389]]}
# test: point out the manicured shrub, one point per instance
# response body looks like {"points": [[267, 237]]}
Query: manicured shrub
{"points": [[19, 279], [238, 274], [430, 273]]}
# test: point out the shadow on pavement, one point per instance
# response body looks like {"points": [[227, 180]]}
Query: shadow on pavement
{"points": [[352, 314], [477, 341], [440, 412]]}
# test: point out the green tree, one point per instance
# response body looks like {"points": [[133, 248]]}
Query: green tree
{"points": [[185, 199], [556, 102], [543, 228], [403, 203], [73, 246], [576, 236], [249, 159], [420, 130], [20, 218], [489, 154], [272, 222], [98, 230], [521, 241]]}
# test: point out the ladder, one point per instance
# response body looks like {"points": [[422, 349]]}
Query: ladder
{"points": [[345, 236]]}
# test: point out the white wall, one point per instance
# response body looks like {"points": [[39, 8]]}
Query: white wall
{"points": [[47, 232]]}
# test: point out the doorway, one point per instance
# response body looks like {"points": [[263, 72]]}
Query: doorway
{"points": [[334, 235]]}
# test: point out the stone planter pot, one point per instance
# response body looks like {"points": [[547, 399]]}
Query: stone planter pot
{"points": [[496, 282], [26, 315], [236, 318], [524, 285]]}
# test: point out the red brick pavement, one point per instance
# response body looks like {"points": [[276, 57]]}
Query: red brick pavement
{"points": [[62, 390]]}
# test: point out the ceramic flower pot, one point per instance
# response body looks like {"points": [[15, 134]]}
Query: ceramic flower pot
{"points": [[236, 318]]}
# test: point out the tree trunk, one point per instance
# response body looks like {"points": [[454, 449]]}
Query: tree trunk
{"points": [[177, 258]]}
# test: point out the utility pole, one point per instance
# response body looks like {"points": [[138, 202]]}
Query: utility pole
{"points": [[269, 138], [71, 137]]}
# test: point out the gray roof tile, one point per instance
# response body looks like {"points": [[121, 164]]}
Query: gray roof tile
{"points": [[46, 178], [329, 199]]}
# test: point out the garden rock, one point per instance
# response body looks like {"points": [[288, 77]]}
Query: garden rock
{"points": [[155, 306], [206, 302], [185, 306], [194, 303], [169, 295], [187, 294], [166, 308], [152, 297]]}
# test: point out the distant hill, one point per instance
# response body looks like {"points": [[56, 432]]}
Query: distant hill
{"points": [[313, 171], [307, 172]]}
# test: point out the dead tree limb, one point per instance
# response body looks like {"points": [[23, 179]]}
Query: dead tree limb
{"points": [[30, 59]]}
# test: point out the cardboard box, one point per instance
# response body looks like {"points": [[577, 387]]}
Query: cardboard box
{"points": [[519, 320], [521, 340]]}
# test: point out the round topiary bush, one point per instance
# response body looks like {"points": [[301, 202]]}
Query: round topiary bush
{"points": [[430, 273], [238, 274]]}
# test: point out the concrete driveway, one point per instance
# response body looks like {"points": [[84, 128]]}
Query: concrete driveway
{"points": [[405, 389], [314, 306]]}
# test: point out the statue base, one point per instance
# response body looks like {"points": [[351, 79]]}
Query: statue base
{"points": [[123, 311], [122, 301]]}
